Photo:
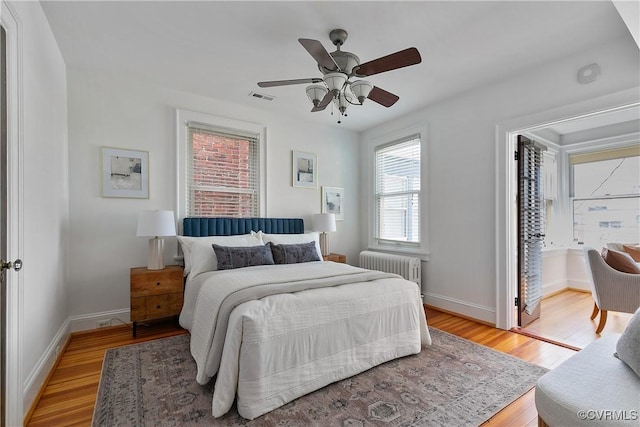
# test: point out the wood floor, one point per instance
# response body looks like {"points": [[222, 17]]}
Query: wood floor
{"points": [[565, 317], [69, 397]]}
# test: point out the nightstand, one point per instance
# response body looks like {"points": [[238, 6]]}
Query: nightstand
{"points": [[335, 258], [155, 294]]}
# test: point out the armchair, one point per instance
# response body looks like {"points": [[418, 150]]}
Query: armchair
{"points": [[612, 290]]}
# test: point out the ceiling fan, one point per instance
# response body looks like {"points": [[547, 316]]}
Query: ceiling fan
{"points": [[339, 70]]}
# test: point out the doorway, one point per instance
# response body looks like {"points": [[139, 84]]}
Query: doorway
{"points": [[564, 138], [505, 227]]}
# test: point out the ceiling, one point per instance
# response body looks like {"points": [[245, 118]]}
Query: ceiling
{"points": [[222, 49]]}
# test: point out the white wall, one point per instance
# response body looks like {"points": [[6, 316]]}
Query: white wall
{"points": [[46, 197], [461, 272], [117, 112]]}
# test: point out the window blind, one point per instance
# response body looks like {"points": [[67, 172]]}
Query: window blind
{"points": [[596, 156], [397, 191], [222, 172], [531, 223]]}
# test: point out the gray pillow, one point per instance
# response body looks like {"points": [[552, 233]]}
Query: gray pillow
{"points": [[628, 347], [293, 254], [242, 256]]}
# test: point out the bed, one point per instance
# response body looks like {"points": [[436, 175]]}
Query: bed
{"points": [[269, 333]]}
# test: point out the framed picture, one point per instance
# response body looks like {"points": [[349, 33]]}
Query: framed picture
{"points": [[333, 201], [125, 173], [305, 173]]}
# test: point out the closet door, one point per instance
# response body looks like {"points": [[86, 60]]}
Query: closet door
{"points": [[530, 229]]}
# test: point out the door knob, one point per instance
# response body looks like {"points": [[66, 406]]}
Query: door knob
{"points": [[16, 265]]}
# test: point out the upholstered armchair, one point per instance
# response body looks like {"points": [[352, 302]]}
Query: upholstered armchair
{"points": [[612, 290]]}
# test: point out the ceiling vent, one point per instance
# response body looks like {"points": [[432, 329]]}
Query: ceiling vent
{"points": [[262, 96]]}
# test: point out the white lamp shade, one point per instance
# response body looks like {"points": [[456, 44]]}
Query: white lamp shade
{"points": [[361, 89], [324, 222], [335, 81], [343, 101], [156, 223], [316, 93]]}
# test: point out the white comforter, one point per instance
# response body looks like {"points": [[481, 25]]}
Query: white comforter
{"points": [[275, 333]]}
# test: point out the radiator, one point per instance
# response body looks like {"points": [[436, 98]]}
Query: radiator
{"points": [[407, 267]]}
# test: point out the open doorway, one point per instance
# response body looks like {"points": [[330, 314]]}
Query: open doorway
{"points": [[590, 197]]}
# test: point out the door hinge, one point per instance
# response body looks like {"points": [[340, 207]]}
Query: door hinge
{"points": [[517, 302], [515, 155]]}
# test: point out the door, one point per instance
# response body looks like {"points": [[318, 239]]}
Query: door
{"points": [[530, 229], [3, 218]]}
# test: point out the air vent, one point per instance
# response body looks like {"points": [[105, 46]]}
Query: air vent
{"points": [[262, 96]]}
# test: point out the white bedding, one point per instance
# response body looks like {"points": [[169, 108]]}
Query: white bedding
{"points": [[332, 321]]}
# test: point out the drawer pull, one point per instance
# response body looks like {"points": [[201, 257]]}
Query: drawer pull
{"points": [[157, 306], [158, 284]]}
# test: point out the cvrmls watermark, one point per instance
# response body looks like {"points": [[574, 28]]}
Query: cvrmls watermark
{"points": [[608, 415]]}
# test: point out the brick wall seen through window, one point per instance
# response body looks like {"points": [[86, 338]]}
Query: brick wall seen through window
{"points": [[223, 174]]}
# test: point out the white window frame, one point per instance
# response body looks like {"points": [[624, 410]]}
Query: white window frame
{"points": [[183, 117], [420, 249], [588, 147]]}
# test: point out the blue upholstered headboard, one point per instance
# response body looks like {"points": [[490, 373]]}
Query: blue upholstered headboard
{"points": [[200, 227]]}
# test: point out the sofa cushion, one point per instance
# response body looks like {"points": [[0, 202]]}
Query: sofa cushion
{"points": [[591, 380], [628, 347], [620, 261], [634, 251]]}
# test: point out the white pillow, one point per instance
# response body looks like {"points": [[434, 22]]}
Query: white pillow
{"points": [[199, 255], [291, 239]]}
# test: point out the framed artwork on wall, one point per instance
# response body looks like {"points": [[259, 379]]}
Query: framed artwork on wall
{"points": [[333, 201], [305, 170], [125, 173]]}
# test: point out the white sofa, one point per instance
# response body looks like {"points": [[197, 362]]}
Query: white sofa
{"points": [[592, 388]]}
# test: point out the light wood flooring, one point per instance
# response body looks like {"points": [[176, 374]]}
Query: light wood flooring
{"points": [[565, 317], [69, 397]]}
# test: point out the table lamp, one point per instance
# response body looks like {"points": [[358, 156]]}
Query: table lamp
{"points": [[323, 223], [155, 224]]}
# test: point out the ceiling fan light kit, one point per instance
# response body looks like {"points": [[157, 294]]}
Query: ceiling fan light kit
{"points": [[340, 66], [361, 89], [316, 93]]}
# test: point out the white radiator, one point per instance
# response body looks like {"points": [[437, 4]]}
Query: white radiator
{"points": [[407, 267]]}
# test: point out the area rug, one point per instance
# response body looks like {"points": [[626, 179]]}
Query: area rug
{"points": [[453, 382]]}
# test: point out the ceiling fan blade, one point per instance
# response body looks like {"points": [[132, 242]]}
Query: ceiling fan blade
{"points": [[289, 82], [323, 103], [319, 53], [400, 59], [382, 97]]}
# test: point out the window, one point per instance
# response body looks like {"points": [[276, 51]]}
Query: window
{"points": [[397, 192], [605, 193], [219, 166]]}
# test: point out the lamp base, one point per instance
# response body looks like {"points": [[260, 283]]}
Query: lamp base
{"points": [[324, 244], [156, 254]]}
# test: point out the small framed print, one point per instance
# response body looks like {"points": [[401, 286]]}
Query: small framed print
{"points": [[333, 201], [304, 168], [125, 173]]}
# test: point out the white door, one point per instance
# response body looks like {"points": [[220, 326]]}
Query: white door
{"points": [[11, 388]]}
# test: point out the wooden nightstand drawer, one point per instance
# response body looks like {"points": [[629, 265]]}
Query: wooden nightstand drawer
{"points": [[155, 282], [167, 305], [155, 294], [335, 258]]}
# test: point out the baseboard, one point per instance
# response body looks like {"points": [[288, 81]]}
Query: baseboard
{"points": [[471, 311], [579, 285], [586, 291], [553, 288], [38, 377], [442, 310], [90, 321]]}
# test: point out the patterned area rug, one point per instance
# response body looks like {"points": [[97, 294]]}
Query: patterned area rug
{"points": [[453, 382]]}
